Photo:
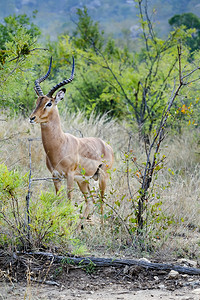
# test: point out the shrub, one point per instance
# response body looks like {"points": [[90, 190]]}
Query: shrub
{"points": [[52, 218]]}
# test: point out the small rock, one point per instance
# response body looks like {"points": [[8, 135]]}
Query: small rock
{"points": [[162, 287], [173, 274], [144, 259], [190, 279], [188, 262], [185, 275], [156, 278]]}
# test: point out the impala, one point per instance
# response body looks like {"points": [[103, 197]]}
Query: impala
{"points": [[76, 159]]}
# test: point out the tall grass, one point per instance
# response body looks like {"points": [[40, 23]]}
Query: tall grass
{"points": [[177, 184]]}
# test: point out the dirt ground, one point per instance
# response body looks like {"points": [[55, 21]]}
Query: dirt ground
{"points": [[110, 291], [27, 278]]}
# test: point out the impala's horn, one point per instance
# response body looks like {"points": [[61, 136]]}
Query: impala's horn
{"points": [[37, 87], [59, 85]]}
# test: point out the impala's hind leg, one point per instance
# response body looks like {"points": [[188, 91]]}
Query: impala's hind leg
{"points": [[102, 185], [84, 187], [102, 176]]}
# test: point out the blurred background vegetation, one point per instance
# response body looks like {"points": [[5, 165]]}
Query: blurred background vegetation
{"points": [[118, 18], [129, 77]]}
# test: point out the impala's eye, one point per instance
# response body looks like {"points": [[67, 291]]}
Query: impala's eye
{"points": [[48, 104]]}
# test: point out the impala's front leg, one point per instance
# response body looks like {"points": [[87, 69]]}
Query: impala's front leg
{"points": [[57, 183], [70, 184], [55, 175]]}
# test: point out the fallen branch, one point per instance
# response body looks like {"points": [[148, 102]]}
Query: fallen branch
{"points": [[108, 262], [48, 282]]}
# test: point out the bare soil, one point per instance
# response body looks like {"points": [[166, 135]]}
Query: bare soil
{"points": [[110, 291], [42, 280]]}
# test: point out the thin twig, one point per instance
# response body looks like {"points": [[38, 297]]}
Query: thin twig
{"points": [[29, 193], [127, 171], [46, 179], [17, 57], [48, 282]]}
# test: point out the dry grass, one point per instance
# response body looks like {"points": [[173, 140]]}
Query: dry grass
{"points": [[180, 198]]}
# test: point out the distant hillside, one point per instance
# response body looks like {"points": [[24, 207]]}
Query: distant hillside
{"points": [[55, 17]]}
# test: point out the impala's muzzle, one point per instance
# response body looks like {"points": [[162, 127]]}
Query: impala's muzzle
{"points": [[32, 119]]}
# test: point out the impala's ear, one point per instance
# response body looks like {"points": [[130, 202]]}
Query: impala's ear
{"points": [[60, 95]]}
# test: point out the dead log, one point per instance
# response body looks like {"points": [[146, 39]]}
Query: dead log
{"points": [[108, 262]]}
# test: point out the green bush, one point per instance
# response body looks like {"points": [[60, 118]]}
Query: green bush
{"points": [[12, 204], [52, 218]]}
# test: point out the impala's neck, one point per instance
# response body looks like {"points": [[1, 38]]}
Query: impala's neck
{"points": [[52, 133]]}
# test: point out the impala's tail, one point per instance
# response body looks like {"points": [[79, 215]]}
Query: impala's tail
{"points": [[97, 173]]}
